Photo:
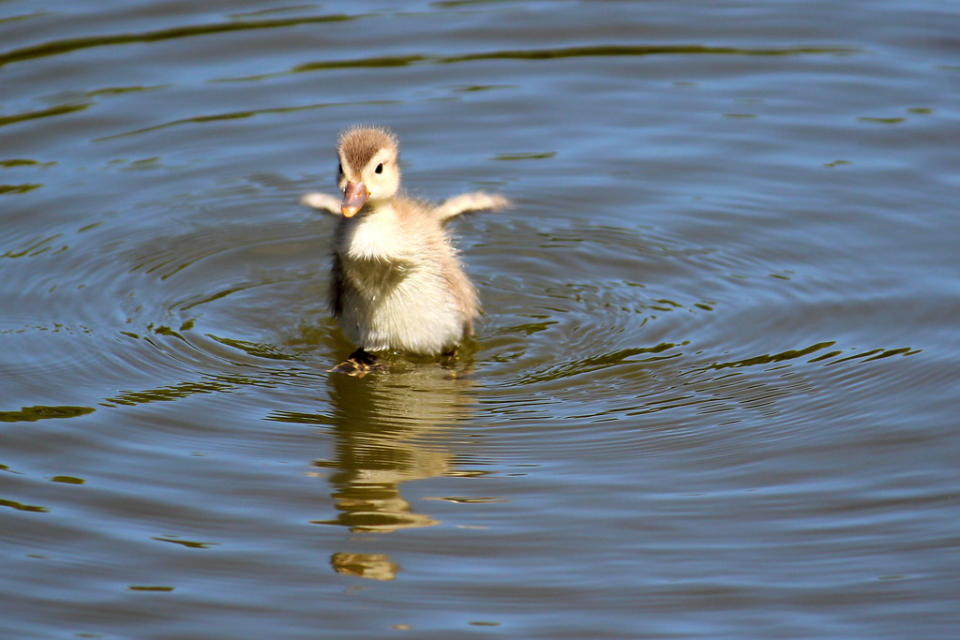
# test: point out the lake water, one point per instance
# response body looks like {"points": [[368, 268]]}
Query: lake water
{"points": [[714, 393]]}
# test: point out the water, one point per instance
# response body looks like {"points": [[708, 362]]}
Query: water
{"points": [[713, 394]]}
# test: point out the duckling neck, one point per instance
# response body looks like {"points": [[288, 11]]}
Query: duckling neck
{"points": [[373, 234]]}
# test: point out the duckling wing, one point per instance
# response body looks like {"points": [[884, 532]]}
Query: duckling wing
{"points": [[321, 201], [476, 201]]}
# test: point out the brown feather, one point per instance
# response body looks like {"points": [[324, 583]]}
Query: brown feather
{"points": [[359, 144]]}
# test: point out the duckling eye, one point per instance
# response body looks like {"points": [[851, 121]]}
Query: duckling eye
{"points": [[379, 168]]}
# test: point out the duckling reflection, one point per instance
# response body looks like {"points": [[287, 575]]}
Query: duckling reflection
{"points": [[389, 430], [372, 566]]}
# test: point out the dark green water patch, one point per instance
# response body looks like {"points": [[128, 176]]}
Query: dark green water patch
{"points": [[234, 115], [525, 156], [255, 349], [8, 189], [32, 414], [42, 113], [189, 544], [167, 394], [67, 45], [557, 53], [19, 506], [24, 162]]}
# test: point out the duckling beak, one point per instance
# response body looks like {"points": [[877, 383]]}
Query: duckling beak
{"points": [[353, 198]]}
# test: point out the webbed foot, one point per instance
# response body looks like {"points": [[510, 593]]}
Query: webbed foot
{"points": [[359, 364]]}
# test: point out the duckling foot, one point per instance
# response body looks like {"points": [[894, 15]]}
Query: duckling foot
{"points": [[359, 364], [450, 362]]}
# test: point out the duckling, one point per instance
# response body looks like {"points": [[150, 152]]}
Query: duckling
{"points": [[396, 283]]}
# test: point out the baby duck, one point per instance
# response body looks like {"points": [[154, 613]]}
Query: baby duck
{"points": [[396, 282]]}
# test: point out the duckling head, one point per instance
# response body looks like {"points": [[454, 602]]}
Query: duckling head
{"points": [[368, 170]]}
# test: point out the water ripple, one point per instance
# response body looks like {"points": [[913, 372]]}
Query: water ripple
{"points": [[58, 47]]}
